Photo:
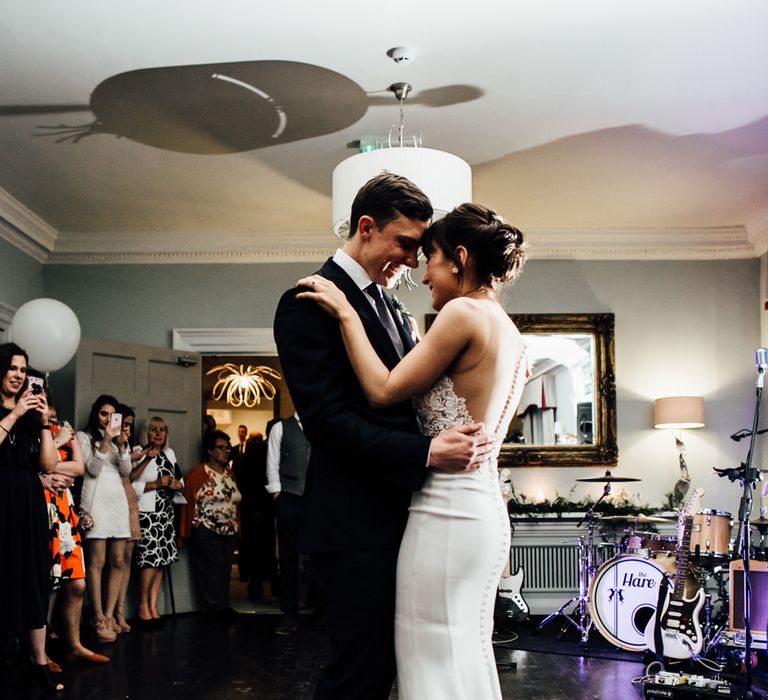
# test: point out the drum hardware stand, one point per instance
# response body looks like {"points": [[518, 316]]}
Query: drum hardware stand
{"points": [[585, 549], [749, 476]]}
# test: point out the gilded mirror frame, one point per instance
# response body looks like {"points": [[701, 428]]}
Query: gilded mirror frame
{"points": [[605, 449]]}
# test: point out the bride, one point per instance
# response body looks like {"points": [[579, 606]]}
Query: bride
{"points": [[470, 367]]}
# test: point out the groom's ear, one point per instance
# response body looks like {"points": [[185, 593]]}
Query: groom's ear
{"points": [[365, 226]]}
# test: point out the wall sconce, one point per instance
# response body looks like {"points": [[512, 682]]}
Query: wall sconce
{"points": [[678, 413]]}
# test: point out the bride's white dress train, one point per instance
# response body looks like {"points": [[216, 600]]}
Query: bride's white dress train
{"points": [[451, 559]]}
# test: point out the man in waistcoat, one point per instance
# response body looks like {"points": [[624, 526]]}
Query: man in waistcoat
{"points": [[287, 459]]}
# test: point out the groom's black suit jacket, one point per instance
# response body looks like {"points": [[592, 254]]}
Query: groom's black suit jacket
{"points": [[365, 462]]}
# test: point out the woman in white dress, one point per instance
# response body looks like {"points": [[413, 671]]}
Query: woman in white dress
{"points": [[470, 367], [107, 459]]}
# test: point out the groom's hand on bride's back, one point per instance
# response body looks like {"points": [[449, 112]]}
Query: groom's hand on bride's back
{"points": [[461, 449]]}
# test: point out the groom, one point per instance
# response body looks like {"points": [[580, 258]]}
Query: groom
{"points": [[365, 462]]}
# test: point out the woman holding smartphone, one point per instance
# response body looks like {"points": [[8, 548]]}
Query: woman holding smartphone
{"points": [[104, 444], [26, 448], [156, 480], [118, 622]]}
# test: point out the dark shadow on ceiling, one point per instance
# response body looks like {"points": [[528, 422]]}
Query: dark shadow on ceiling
{"points": [[228, 107]]}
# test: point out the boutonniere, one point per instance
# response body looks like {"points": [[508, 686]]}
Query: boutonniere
{"points": [[403, 315]]}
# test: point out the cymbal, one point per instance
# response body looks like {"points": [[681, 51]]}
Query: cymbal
{"points": [[637, 519], [609, 478], [760, 523]]}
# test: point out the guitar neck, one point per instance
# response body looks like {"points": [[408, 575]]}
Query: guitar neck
{"points": [[683, 556]]}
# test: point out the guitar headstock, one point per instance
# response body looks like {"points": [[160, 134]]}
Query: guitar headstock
{"points": [[691, 506], [505, 483]]}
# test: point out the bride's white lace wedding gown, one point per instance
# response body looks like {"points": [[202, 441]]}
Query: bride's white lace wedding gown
{"points": [[451, 558]]}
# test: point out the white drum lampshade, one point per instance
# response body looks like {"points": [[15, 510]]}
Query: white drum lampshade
{"points": [[445, 178]]}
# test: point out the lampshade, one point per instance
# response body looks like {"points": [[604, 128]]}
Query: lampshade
{"points": [[678, 412], [445, 178]]}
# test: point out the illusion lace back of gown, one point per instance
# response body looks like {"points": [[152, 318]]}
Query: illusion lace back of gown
{"points": [[450, 562], [440, 408]]}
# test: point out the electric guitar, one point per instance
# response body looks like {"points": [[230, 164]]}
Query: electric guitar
{"points": [[679, 622], [510, 604]]}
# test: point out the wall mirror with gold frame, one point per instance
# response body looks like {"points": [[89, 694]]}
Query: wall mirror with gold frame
{"points": [[567, 415]]}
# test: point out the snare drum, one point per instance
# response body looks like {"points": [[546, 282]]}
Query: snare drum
{"points": [[711, 535], [623, 597]]}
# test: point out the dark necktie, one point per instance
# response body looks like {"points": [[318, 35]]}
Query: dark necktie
{"points": [[385, 317]]}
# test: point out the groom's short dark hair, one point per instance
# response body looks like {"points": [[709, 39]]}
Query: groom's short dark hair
{"points": [[387, 196]]}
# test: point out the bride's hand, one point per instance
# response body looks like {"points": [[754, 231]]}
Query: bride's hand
{"points": [[325, 293]]}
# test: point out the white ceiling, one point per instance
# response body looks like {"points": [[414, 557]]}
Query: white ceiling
{"points": [[603, 129]]}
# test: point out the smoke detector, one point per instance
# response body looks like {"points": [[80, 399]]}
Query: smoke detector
{"points": [[402, 54]]}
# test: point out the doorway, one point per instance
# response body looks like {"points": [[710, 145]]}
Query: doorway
{"points": [[246, 346]]}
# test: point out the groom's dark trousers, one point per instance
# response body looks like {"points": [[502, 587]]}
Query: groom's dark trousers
{"points": [[365, 464]]}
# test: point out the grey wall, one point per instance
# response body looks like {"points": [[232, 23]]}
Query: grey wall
{"points": [[21, 277], [142, 303], [682, 328]]}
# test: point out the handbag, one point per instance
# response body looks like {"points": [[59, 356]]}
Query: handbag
{"points": [[84, 521]]}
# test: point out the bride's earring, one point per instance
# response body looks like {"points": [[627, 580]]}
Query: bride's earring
{"points": [[455, 270]]}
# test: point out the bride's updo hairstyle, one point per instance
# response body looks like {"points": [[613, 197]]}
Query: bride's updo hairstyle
{"points": [[497, 249]]}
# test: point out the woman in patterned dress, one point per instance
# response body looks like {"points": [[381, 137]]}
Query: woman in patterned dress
{"points": [[209, 522], [66, 548], [156, 478]]}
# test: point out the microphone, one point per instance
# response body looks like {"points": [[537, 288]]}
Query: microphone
{"points": [[761, 362]]}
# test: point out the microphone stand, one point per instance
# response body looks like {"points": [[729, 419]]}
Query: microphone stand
{"points": [[748, 477]]}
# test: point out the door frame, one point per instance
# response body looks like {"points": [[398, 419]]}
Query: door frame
{"points": [[225, 341]]}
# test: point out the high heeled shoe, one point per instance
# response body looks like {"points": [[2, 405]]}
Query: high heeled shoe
{"points": [[104, 631], [124, 626], [41, 674], [89, 658]]}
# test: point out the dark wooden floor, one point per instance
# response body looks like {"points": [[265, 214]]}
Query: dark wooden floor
{"points": [[210, 658]]}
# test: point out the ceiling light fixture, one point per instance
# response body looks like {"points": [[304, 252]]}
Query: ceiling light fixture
{"points": [[240, 386], [445, 178]]}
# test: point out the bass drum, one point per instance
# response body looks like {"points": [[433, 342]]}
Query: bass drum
{"points": [[623, 597]]}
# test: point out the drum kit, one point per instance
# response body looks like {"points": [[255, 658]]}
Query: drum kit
{"points": [[619, 580]]}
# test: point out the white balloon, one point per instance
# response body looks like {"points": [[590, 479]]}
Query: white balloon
{"points": [[48, 330]]}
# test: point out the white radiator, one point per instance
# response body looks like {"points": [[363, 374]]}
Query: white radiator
{"points": [[547, 567]]}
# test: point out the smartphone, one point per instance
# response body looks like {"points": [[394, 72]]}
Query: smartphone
{"points": [[36, 385], [116, 423]]}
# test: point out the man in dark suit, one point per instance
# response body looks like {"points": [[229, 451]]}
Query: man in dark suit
{"points": [[365, 462]]}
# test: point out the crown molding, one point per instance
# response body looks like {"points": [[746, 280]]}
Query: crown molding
{"points": [[757, 230], [210, 247], [723, 242], [24, 229], [705, 243]]}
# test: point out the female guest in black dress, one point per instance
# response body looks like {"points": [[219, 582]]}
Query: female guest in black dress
{"points": [[26, 447]]}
